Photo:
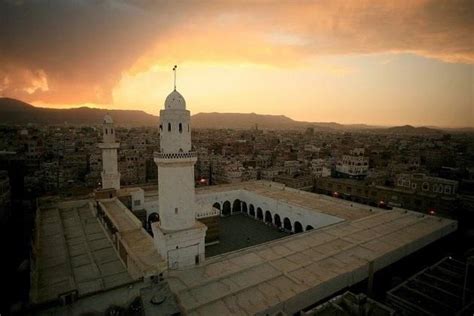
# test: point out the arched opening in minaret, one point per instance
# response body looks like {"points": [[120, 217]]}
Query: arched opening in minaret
{"points": [[244, 207], [277, 220], [169, 127], [236, 207], [259, 214], [268, 217], [106, 132], [298, 227], [226, 208], [180, 127], [309, 227], [287, 224], [251, 210], [217, 205]]}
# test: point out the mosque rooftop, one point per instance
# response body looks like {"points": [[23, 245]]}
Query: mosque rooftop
{"points": [[291, 273], [73, 253]]}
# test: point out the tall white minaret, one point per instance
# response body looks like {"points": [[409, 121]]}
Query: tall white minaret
{"points": [[178, 236], [110, 174]]}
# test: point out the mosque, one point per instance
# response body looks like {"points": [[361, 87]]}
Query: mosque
{"points": [[92, 253]]}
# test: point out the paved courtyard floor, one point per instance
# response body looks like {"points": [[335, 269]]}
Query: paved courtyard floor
{"points": [[240, 231]]}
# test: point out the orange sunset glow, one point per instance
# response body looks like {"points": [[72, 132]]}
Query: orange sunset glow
{"points": [[375, 62]]}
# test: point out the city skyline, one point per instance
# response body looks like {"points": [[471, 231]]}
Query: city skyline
{"points": [[374, 63]]}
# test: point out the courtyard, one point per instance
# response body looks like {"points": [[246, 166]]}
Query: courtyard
{"points": [[240, 231]]}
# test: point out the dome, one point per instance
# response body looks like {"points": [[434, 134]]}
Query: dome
{"points": [[175, 101], [108, 119]]}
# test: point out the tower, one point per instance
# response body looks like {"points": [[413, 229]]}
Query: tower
{"points": [[178, 236], [110, 174]]}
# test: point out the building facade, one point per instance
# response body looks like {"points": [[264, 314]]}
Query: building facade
{"points": [[353, 165]]}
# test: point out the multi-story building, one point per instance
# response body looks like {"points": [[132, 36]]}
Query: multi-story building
{"points": [[319, 168], [384, 196], [419, 182], [300, 182], [353, 165]]}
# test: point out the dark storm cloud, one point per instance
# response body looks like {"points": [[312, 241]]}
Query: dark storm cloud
{"points": [[80, 46]]}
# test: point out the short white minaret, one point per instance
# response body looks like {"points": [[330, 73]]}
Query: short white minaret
{"points": [[178, 236], [110, 174]]}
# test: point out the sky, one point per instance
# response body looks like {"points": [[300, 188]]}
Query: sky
{"points": [[375, 62]]}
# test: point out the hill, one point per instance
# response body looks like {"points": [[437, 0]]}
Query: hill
{"points": [[17, 112], [14, 111], [243, 121], [411, 130]]}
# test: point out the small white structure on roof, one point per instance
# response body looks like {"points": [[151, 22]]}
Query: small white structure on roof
{"points": [[110, 174]]}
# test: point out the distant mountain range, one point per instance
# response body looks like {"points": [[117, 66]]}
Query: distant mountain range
{"points": [[14, 111]]}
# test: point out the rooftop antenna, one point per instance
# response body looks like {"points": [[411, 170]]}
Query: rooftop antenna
{"points": [[174, 70]]}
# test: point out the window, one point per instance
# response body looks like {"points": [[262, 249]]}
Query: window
{"points": [[161, 127], [447, 189], [137, 202], [180, 127], [176, 210], [111, 131], [169, 127], [106, 131]]}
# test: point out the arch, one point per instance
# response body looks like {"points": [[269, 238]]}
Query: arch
{"points": [[180, 127], [277, 220], [287, 224], [236, 206], [152, 218], [226, 208], [252, 210], [111, 131], [259, 214], [298, 227], [244, 207], [161, 127], [268, 217], [106, 131], [309, 227], [169, 127], [217, 205]]}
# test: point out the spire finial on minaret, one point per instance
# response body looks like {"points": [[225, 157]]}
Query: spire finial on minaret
{"points": [[174, 70]]}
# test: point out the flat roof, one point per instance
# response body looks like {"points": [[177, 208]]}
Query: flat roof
{"points": [[120, 216], [292, 273], [142, 250], [436, 290], [73, 252], [138, 243]]}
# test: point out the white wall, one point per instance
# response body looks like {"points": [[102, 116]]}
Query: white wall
{"points": [[283, 209]]}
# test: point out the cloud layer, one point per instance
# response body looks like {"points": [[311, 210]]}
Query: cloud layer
{"points": [[73, 52]]}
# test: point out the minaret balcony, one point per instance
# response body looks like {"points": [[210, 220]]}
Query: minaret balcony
{"points": [[176, 157], [108, 145]]}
